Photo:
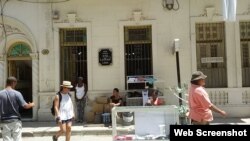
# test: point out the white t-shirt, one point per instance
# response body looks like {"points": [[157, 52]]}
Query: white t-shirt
{"points": [[80, 92], [66, 107]]}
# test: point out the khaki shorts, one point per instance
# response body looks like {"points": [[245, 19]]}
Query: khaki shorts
{"points": [[199, 122], [12, 131]]}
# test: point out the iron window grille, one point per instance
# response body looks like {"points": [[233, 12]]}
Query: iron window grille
{"points": [[73, 54], [245, 56], [138, 53], [210, 52]]}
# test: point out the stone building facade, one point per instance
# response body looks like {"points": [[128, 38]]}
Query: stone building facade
{"points": [[35, 33]]}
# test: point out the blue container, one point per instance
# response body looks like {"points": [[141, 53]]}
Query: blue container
{"points": [[106, 119]]}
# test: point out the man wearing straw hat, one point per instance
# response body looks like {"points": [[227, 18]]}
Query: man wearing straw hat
{"points": [[200, 105]]}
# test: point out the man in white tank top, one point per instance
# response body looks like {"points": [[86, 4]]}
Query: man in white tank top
{"points": [[80, 98]]}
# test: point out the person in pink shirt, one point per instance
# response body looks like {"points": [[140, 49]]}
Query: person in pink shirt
{"points": [[154, 100], [200, 106]]}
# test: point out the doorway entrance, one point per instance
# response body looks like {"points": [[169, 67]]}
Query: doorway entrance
{"points": [[22, 70], [20, 66]]}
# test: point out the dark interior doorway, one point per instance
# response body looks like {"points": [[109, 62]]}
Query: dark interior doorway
{"points": [[22, 70]]}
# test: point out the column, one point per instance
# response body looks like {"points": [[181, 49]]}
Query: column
{"points": [[35, 82], [2, 64]]}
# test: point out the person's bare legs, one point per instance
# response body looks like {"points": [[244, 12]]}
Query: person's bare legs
{"points": [[68, 131], [62, 130]]}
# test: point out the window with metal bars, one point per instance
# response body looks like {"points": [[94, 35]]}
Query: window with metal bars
{"points": [[138, 53], [245, 56], [214, 53], [210, 52], [73, 54]]}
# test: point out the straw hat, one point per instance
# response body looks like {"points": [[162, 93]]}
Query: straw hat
{"points": [[198, 75], [67, 84]]}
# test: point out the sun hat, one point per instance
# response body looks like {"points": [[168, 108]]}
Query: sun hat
{"points": [[67, 84], [198, 75]]}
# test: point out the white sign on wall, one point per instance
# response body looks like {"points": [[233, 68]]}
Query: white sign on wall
{"points": [[212, 60]]}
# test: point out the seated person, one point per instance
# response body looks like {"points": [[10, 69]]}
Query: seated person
{"points": [[115, 99], [154, 100]]}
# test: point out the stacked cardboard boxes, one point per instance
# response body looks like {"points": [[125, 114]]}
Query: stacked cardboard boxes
{"points": [[99, 106]]}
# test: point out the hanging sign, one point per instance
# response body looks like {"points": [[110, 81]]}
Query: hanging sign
{"points": [[105, 56], [212, 60]]}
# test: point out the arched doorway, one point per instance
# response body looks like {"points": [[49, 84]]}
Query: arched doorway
{"points": [[20, 66]]}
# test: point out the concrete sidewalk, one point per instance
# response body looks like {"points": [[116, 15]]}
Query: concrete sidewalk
{"points": [[232, 121], [31, 129]]}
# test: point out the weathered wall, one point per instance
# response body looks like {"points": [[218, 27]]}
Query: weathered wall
{"points": [[104, 19]]}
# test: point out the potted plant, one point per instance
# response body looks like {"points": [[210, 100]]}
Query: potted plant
{"points": [[183, 111], [182, 108]]}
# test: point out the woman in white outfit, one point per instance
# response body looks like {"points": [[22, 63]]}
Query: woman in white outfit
{"points": [[64, 111]]}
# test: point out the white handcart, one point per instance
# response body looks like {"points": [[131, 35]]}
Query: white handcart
{"points": [[149, 123]]}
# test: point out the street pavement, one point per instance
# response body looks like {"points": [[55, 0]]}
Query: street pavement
{"points": [[39, 131], [49, 128], [34, 129], [231, 121], [73, 138]]}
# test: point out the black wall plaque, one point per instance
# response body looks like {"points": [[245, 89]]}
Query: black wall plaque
{"points": [[105, 56]]}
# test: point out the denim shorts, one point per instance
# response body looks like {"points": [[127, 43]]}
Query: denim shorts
{"points": [[67, 121]]}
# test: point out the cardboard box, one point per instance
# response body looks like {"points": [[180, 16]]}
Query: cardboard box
{"points": [[102, 99], [97, 108]]}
